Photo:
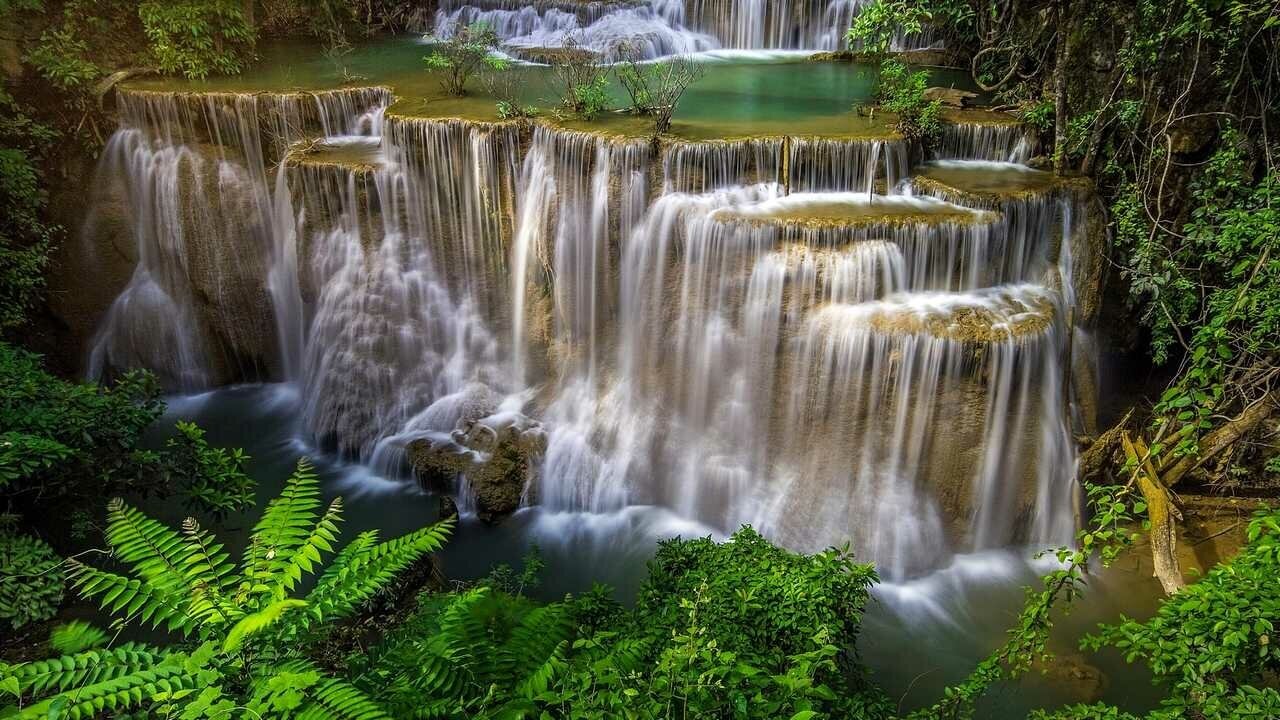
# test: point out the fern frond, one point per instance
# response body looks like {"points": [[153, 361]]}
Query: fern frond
{"points": [[363, 568], [255, 623], [208, 563], [112, 697], [159, 556], [130, 597], [76, 636], [537, 681], [307, 555], [461, 629], [211, 573], [329, 697], [84, 668], [536, 638], [155, 552], [285, 525], [332, 698]]}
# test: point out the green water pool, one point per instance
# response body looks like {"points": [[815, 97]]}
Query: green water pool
{"points": [[741, 93]]}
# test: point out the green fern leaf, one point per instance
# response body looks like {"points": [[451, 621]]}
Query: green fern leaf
{"points": [[122, 692], [540, 678], [332, 698], [257, 622], [130, 597], [327, 697], [212, 578], [158, 555], [284, 527], [363, 568], [76, 636], [307, 555], [536, 637], [83, 668]]}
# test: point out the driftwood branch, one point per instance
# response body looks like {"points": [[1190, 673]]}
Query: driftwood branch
{"points": [[1162, 513], [1223, 437]]}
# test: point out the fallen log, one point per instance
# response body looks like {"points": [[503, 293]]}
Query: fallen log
{"points": [[1162, 514]]}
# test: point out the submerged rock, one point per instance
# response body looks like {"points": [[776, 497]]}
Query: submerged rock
{"points": [[491, 460], [951, 97], [438, 462]]}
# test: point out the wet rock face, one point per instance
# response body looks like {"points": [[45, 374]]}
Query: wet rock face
{"points": [[492, 460], [951, 97]]}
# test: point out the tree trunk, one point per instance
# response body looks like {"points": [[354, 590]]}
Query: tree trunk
{"points": [[1062, 55]]}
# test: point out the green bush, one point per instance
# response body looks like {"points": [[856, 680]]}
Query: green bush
{"points": [[31, 580], [467, 51], [902, 91], [740, 629], [583, 82], [68, 439], [592, 98], [68, 443], [210, 480], [198, 38], [25, 236], [1213, 644], [736, 629]]}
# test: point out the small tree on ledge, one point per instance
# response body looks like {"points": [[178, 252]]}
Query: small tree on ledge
{"points": [[464, 52], [656, 88]]}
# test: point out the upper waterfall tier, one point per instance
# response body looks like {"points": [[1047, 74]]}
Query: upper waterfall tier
{"points": [[657, 28]]}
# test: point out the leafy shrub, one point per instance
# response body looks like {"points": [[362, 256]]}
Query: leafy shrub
{"points": [[879, 22], [583, 81], [244, 629], [1039, 116], [466, 51], [735, 629], [505, 88], [591, 99], [31, 580], [739, 629], [1213, 643], [69, 443], [65, 439], [198, 38], [902, 91], [25, 236], [212, 480], [481, 653]]}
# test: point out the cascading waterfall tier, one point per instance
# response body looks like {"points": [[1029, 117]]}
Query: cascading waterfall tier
{"points": [[792, 332], [658, 28], [188, 174], [798, 163], [1000, 142]]}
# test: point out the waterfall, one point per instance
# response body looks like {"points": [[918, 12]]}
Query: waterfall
{"points": [[658, 28], [805, 334], [698, 167], [652, 29], [981, 141], [822, 164]]}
